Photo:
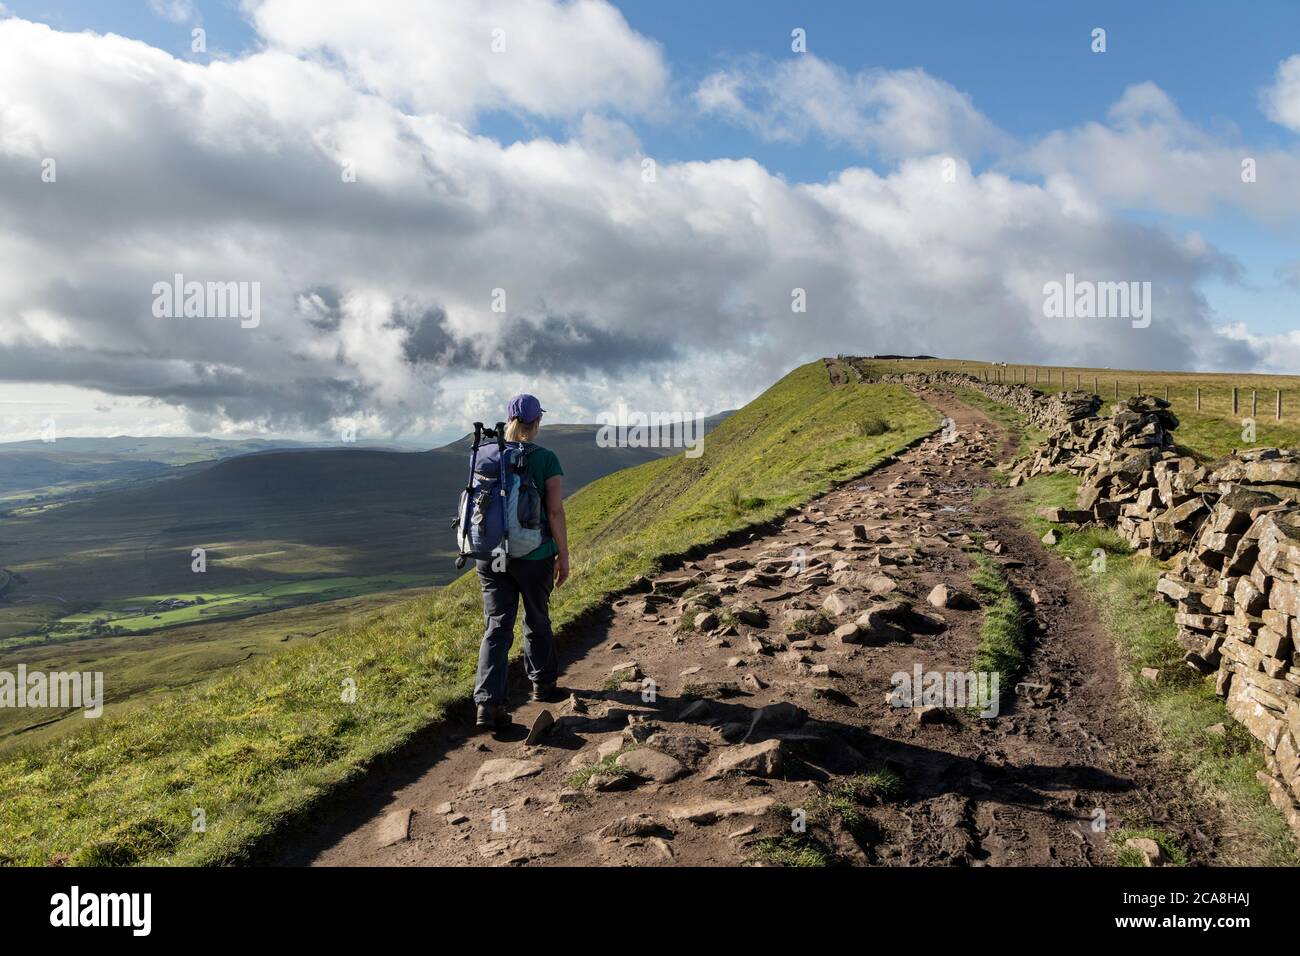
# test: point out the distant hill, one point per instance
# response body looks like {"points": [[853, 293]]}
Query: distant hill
{"points": [[75, 467], [280, 514], [166, 449], [32, 469]]}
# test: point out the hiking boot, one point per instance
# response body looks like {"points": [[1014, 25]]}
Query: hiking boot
{"points": [[492, 715], [545, 693]]}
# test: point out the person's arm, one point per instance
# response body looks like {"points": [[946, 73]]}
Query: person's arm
{"points": [[559, 531]]}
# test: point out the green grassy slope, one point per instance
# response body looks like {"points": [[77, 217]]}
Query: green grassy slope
{"points": [[139, 668], [252, 748]]}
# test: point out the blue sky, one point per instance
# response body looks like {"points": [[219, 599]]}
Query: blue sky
{"points": [[1027, 65], [1122, 165]]}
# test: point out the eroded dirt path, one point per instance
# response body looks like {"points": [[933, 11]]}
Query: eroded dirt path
{"points": [[752, 719]]}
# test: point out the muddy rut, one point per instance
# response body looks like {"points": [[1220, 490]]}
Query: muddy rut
{"points": [[762, 730]]}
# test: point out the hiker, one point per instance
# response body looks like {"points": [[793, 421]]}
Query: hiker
{"points": [[528, 578]]}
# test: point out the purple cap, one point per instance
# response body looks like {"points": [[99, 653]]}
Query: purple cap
{"points": [[526, 408]]}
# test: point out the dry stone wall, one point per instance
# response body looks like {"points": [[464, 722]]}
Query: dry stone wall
{"points": [[1229, 530]]}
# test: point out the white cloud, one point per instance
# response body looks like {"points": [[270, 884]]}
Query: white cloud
{"points": [[1149, 156], [893, 113], [1282, 100], [552, 59]]}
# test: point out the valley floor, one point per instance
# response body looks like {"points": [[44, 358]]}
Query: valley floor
{"points": [[770, 744]]}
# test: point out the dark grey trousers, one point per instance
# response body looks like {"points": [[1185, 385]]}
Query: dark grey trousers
{"points": [[530, 581]]}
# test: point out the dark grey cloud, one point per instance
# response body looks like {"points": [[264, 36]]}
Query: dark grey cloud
{"points": [[553, 345]]}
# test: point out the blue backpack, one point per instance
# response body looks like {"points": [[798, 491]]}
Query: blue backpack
{"points": [[500, 511]]}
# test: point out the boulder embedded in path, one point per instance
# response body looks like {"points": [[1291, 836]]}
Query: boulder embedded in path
{"points": [[649, 764], [757, 760], [946, 596], [502, 770]]}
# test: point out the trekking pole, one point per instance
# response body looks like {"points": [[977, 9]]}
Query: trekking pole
{"points": [[501, 464], [469, 493]]}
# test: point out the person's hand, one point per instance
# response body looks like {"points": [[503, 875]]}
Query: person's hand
{"points": [[561, 569]]}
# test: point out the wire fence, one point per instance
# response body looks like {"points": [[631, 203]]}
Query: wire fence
{"points": [[1238, 401]]}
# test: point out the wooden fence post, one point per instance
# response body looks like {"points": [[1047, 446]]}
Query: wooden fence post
{"points": [[1254, 403], [1234, 399], [1279, 405], [1198, 398], [1117, 388]]}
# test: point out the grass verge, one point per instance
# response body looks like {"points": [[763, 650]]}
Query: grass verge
{"points": [[1003, 636]]}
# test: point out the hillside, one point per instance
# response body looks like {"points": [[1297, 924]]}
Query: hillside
{"points": [[261, 744]]}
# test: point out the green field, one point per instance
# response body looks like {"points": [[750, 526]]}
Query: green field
{"points": [[136, 614], [259, 745]]}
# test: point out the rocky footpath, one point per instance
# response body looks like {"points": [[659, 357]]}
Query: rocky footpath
{"points": [[1048, 412], [1230, 531], [744, 707]]}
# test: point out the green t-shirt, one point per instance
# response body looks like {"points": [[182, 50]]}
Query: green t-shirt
{"points": [[543, 464]]}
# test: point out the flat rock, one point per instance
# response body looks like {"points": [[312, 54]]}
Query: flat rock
{"points": [[609, 746], [689, 750], [502, 770], [946, 596], [650, 764], [711, 811], [758, 760], [848, 634], [837, 604], [610, 781], [1152, 854], [394, 828]]}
